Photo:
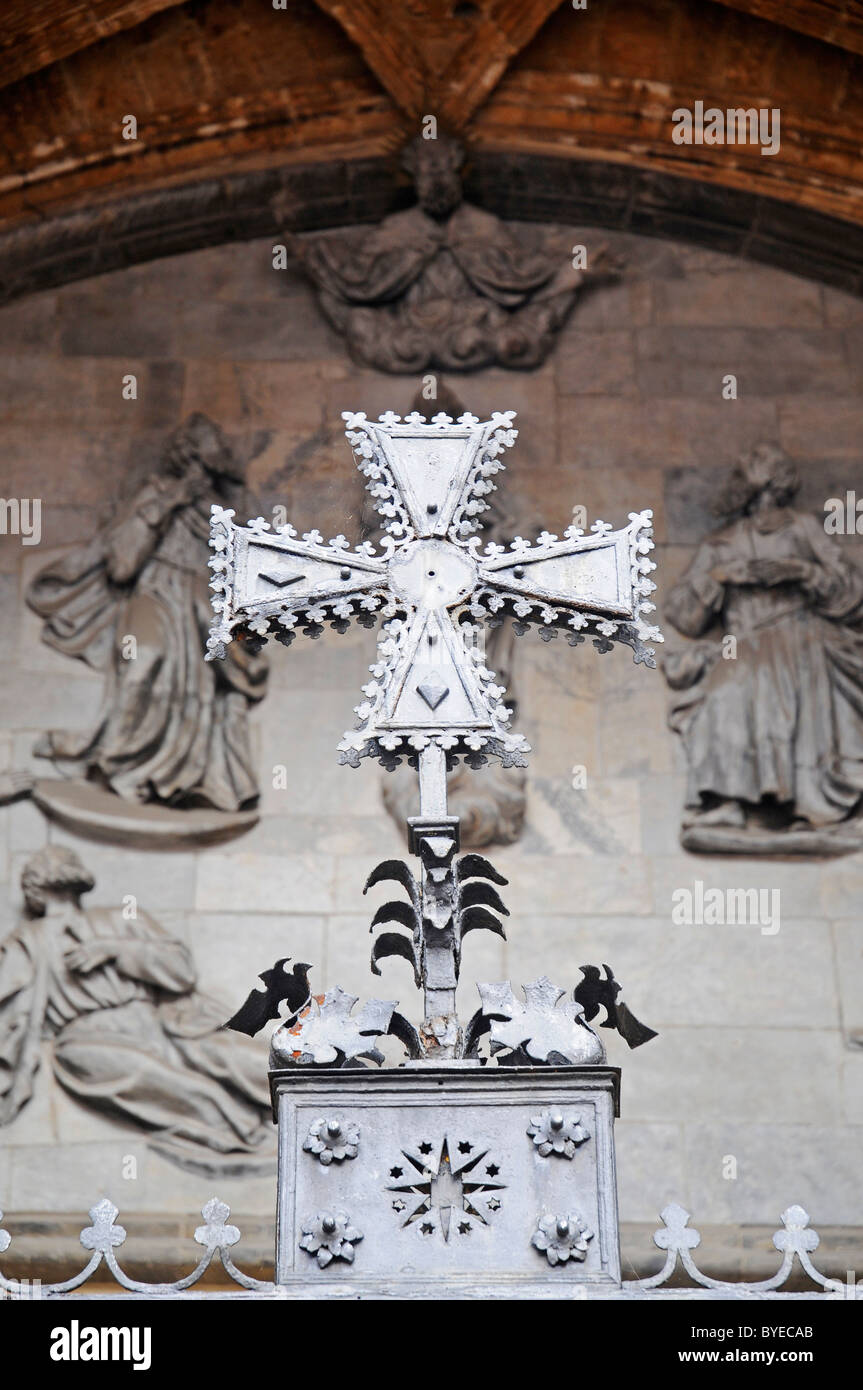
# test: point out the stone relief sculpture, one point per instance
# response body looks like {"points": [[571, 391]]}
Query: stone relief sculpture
{"points": [[169, 754], [131, 1035], [445, 284], [772, 723]]}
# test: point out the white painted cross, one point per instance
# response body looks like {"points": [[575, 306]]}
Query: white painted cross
{"points": [[431, 696], [430, 692]]}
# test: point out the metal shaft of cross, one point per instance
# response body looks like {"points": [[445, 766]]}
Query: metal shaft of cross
{"points": [[434, 837]]}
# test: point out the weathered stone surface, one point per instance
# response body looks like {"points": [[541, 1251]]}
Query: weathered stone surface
{"points": [[230, 960], [309, 776], [661, 799], [690, 975], [596, 364], [758, 298], [97, 1166], [598, 490], [602, 817], [841, 310], [810, 1056], [621, 433], [848, 947], [540, 882], [626, 716], [26, 827], [687, 362], [31, 326], [89, 392], [279, 395], [75, 702], [241, 882], [804, 426], [799, 886], [840, 889], [650, 1158], [158, 881], [773, 1159], [95, 325], [289, 330], [852, 1087]]}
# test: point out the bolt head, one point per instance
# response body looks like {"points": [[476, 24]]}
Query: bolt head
{"points": [[344, 572]]}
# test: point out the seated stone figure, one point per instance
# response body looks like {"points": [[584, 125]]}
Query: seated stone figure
{"points": [[131, 1035]]}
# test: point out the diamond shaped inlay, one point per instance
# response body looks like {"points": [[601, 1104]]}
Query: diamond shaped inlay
{"points": [[433, 691]]}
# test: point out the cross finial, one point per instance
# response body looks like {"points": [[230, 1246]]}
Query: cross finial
{"points": [[430, 579], [431, 695]]}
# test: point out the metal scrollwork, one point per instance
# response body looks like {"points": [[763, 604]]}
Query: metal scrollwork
{"points": [[796, 1241]]}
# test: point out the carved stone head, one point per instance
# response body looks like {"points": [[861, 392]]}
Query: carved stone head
{"points": [[435, 166], [54, 870], [199, 440], [766, 476]]}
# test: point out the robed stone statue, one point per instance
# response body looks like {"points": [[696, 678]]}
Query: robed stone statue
{"points": [[130, 1034], [134, 603], [770, 709]]}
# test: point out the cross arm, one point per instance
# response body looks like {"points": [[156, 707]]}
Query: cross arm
{"points": [[267, 581], [431, 689], [598, 583], [430, 478]]}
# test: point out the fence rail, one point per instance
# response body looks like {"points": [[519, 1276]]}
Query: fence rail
{"points": [[795, 1241]]}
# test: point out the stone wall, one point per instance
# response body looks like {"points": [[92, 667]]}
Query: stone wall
{"points": [[752, 1060]]}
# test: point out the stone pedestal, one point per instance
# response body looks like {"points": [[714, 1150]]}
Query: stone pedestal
{"points": [[429, 1179]]}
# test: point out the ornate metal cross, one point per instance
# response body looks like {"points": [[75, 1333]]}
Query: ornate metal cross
{"points": [[431, 696]]}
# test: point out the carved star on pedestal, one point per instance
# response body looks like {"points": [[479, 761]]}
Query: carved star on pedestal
{"points": [[447, 1191]]}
